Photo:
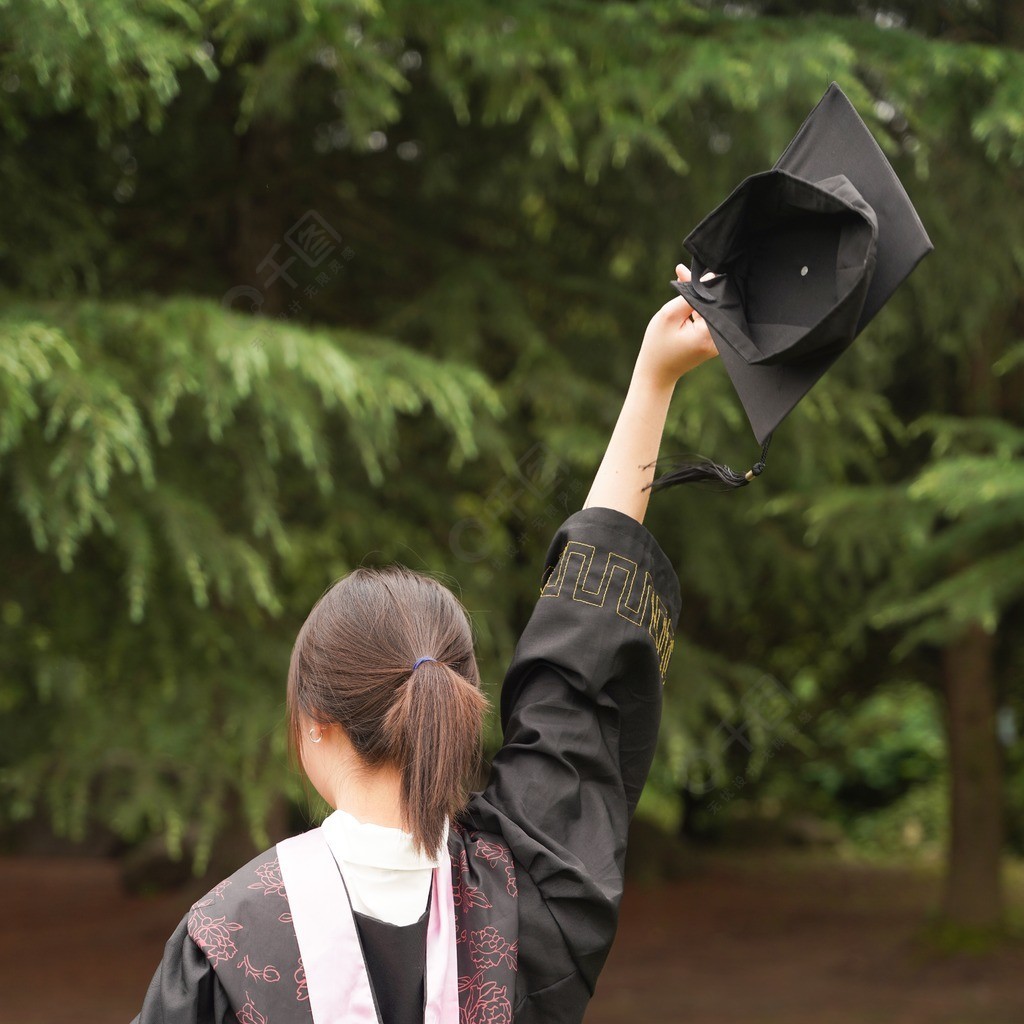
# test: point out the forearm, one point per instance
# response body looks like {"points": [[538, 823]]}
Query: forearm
{"points": [[634, 444], [676, 340]]}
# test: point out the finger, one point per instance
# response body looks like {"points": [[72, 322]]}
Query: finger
{"points": [[707, 341], [676, 310], [682, 273]]}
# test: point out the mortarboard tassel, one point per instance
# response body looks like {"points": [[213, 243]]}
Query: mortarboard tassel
{"points": [[705, 469]]}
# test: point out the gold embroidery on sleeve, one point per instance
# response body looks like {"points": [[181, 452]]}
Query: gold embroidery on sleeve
{"points": [[636, 601]]}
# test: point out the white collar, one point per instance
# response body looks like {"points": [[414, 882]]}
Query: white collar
{"points": [[362, 842]]}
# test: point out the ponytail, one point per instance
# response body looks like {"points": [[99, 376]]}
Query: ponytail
{"points": [[433, 733]]}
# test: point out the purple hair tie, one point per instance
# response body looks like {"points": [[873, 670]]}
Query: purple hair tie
{"points": [[419, 661]]}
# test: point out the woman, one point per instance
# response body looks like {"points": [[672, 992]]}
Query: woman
{"points": [[412, 903]]}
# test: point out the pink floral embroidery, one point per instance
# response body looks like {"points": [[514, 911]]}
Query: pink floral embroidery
{"points": [[489, 959], [269, 973], [488, 949], [270, 880], [213, 935], [467, 895], [285, 918], [486, 1003], [301, 993], [248, 1014], [216, 893], [496, 854], [218, 889], [491, 852]]}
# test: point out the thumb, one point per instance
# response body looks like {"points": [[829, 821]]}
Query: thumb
{"points": [[676, 310]]}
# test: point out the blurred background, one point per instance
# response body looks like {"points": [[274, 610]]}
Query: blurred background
{"points": [[292, 287]]}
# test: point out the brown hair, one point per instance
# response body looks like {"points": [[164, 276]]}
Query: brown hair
{"points": [[352, 666]]}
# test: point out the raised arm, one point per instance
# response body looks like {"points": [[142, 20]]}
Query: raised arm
{"points": [[672, 345], [581, 700]]}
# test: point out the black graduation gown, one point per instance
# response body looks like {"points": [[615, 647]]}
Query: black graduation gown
{"points": [[538, 855]]}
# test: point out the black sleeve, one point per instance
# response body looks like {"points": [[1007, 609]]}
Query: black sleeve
{"points": [[185, 988], [580, 710]]}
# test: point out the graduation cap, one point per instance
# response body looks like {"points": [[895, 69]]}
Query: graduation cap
{"points": [[803, 256]]}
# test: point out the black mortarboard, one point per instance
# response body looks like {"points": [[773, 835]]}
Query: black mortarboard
{"points": [[804, 256]]}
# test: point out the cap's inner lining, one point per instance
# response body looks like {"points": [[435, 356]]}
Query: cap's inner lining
{"points": [[788, 270], [790, 253]]}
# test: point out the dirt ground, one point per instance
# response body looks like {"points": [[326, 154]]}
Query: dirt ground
{"points": [[741, 940]]}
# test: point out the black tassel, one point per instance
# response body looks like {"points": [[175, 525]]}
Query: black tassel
{"points": [[705, 469]]}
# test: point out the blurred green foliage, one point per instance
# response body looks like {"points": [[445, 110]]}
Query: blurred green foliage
{"points": [[880, 769], [505, 191], [876, 749]]}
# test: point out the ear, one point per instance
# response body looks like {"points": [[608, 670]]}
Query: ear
{"points": [[313, 732]]}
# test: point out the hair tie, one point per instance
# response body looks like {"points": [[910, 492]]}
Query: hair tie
{"points": [[419, 661]]}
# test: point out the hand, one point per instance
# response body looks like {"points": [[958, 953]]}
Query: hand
{"points": [[676, 340]]}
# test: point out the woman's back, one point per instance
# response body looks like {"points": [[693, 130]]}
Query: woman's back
{"points": [[535, 860]]}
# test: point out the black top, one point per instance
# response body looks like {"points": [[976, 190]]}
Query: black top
{"points": [[580, 709], [395, 960], [537, 856]]}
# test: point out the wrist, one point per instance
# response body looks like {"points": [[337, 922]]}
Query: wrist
{"points": [[652, 383]]}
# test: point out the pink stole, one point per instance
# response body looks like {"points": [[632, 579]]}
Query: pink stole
{"points": [[336, 975]]}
